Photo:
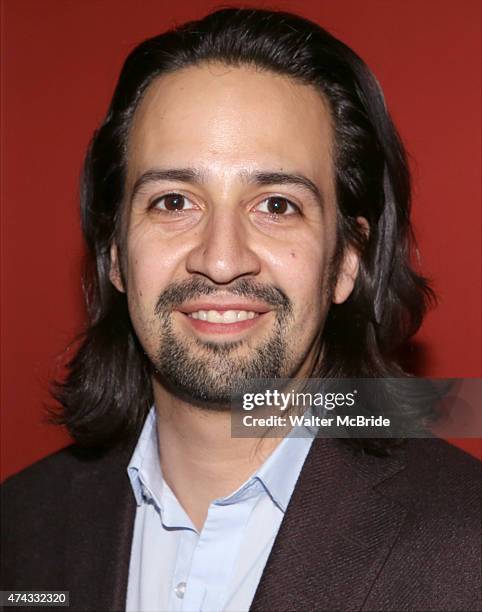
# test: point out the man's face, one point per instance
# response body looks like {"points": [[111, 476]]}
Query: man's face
{"points": [[230, 228]]}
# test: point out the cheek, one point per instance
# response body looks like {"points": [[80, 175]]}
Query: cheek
{"points": [[149, 271], [302, 272], [153, 264], [142, 287], [299, 269]]}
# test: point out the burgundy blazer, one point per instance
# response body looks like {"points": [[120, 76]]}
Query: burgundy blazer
{"points": [[360, 532]]}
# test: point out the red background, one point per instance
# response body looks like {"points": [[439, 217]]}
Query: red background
{"points": [[60, 60]]}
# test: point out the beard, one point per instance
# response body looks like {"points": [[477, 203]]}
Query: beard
{"points": [[208, 374]]}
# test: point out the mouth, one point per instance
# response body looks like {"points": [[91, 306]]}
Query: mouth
{"points": [[224, 318]]}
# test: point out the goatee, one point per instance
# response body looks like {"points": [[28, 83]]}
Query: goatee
{"points": [[207, 374]]}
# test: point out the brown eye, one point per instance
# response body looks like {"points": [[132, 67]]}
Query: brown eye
{"points": [[172, 202], [277, 206]]}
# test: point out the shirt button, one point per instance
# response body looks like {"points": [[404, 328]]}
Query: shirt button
{"points": [[180, 590]]}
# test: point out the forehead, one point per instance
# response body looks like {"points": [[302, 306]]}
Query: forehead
{"points": [[223, 120]]}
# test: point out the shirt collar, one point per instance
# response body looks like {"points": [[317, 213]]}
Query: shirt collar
{"points": [[278, 474], [144, 469]]}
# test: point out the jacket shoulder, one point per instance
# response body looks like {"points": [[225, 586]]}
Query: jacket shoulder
{"points": [[444, 472], [37, 508], [48, 476], [438, 480], [440, 451], [41, 491]]}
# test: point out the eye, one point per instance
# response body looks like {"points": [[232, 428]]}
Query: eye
{"points": [[172, 202], [277, 206]]}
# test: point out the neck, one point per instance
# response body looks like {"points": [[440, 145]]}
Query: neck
{"points": [[200, 460]]}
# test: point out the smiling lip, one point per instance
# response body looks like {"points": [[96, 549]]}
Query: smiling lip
{"points": [[227, 318], [257, 307]]}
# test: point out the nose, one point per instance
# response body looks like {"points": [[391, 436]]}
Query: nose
{"points": [[222, 253]]}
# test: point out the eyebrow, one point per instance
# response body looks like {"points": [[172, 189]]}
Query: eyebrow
{"points": [[199, 177]]}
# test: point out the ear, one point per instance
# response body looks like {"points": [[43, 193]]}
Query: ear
{"points": [[115, 275], [349, 268]]}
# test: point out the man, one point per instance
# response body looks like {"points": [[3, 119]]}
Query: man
{"points": [[245, 208]]}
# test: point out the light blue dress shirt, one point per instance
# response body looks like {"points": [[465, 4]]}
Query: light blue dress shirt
{"points": [[173, 566]]}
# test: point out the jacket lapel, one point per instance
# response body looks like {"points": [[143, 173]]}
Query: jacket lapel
{"points": [[336, 534], [102, 516]]}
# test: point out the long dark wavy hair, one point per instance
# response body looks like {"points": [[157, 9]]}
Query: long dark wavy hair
{"points": [[107, 391]]}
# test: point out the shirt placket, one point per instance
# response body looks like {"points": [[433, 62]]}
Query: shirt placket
{"points": [[215, 554], [187, 543]]}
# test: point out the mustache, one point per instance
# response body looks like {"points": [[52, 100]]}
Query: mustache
{"points": [[178, 293]]}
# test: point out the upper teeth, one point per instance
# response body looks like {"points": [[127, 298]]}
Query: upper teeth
{"points": [[226, 316]]}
